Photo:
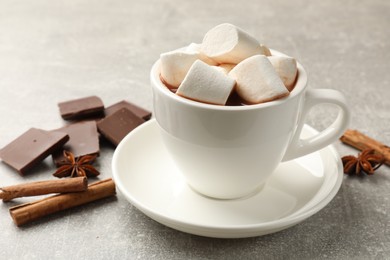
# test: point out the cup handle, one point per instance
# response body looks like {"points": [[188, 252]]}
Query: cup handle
{"points": [[299, 147]]}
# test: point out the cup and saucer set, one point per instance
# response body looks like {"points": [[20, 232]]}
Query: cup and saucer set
{"points": [[231, 172], [147, 176]]}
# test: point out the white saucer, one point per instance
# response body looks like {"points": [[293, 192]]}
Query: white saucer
{"points": [[144, 172]]}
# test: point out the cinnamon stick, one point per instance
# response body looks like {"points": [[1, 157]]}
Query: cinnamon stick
{"points": [[28, 212], [360, 141], [43, 187]]}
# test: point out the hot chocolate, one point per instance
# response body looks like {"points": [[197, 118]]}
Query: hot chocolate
{"points": [[230, 67]]}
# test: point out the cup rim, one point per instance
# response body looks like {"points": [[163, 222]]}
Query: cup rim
{"points": [[300, 85]]}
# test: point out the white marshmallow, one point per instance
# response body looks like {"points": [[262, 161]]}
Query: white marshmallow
{"points": [[257, 80], [175, 65], [266, 50], [206, 84], [219, 68], [195, 47], [286, 67], [227, 43], [227, 67]]}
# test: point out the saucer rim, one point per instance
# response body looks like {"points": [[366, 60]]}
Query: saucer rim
{"points": [[262, 227]]}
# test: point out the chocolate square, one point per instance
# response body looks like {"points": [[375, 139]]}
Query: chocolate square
{"points": [[82, 108], [117, 125], [140, 112], [83, 140], [32, 147]]}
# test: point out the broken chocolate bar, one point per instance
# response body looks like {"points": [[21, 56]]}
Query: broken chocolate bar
{"points": [[140, 112], [82, 108], [117, 125], [31, 148], [83, 140]]}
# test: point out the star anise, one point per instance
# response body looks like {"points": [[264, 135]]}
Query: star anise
{"points": [[75, 167], [367, 161]]}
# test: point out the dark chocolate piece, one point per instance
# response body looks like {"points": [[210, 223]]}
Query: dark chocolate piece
{"points": [[82, 108], [140, 112], [83, 140], [31, 148], [117, 125]]}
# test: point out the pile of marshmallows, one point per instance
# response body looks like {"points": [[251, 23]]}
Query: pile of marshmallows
{"points": [[228, 60]]}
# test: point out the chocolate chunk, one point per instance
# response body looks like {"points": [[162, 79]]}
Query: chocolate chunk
{"points": [[82, 108], [117, 125], [140, 112], [31, 148], [83, 140]]}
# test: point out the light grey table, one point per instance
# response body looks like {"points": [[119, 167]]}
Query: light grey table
{"points": [[51, 51]]}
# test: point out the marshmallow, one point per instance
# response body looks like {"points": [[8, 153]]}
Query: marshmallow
{"points": [[206, 84], [227, 67], [227, 43], [257, 80], [175, 65], [266, 50], [195, 47], [224, 68], [220, 69], [286, 67]]}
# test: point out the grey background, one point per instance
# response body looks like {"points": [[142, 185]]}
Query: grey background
{"points": [[51, 51]]}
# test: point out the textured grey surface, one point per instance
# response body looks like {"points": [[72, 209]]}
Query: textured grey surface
{"points": [[52, 51]]}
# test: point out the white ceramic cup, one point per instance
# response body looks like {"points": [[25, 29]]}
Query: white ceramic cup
{"points": [[227, 152]]}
